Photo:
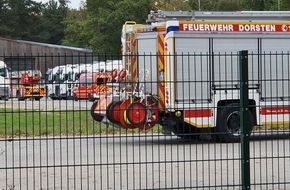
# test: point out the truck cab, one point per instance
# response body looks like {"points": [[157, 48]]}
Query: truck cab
{"points": [[4, 81]]}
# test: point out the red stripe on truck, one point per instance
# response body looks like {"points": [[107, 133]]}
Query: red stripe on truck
{"points": [[275, 110], [198, 113]]}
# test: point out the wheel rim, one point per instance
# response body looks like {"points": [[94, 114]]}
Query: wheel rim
{"points": [[233, 123], [123, 117], [153, 115], [136, 113]]}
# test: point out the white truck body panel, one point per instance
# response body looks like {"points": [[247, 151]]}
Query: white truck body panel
{"points": [[203, 69], [146, 49]]}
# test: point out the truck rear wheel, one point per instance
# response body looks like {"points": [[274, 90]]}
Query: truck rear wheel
{"points": [[228, 123]]}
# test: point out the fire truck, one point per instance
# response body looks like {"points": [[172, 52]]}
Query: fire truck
{"points": [[192, 85], [92, 85], [60, 81], [29, 85]]}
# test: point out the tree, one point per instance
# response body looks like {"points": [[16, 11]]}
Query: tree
{"points": [[18, 18], [29, 20], [229, 5], [76, 33], [51, 29], [258, 5], [170, 5], [98, 25], [4, 28], [110, 23]]}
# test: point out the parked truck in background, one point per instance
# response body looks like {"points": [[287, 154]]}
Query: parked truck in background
{"points": [[192, 84], [60, 81], [28, 85], [92, 85], [4, 82]]}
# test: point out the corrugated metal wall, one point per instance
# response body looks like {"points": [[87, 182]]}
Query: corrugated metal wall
{"points": [[38, 53]]}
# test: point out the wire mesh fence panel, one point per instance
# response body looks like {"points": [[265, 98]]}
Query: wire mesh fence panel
{"points": [[168, 122]]}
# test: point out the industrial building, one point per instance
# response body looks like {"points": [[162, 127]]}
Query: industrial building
{"points": [[27, 55]]}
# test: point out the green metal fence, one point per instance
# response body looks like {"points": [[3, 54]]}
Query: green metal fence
{"points": [[207, 121]]}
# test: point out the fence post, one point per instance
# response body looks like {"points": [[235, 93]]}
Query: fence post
{"points": [[244, 111]]}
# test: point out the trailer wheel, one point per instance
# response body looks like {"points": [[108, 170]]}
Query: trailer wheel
{"points": [[75, 97], [18, 96], [94, 115], [91, 98], [228, 123], [53, 98]]}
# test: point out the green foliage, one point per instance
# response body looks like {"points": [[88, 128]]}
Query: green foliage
{"points": [[51, 22], [18, 18], [29, 20], [105, 19], [229, 5], [76, 33], [170, 5], [98, 24]]}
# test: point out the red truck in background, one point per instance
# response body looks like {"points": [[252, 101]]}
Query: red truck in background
{"points": [[28, 85], [92, 85]]}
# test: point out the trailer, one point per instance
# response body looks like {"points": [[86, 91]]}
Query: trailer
{"points": [[195, 87]]}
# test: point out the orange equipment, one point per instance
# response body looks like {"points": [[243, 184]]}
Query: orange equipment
{"points": [[92, 85], [29, 86]]}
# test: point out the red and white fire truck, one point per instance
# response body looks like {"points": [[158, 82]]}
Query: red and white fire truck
{"points": [[184, 74], [92, 85], [26, 85]]}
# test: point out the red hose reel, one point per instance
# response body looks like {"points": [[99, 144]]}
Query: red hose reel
{"points": [[134, 113]]}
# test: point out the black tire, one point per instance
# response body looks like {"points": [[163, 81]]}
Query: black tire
{"points": [[91, 98], [75, 98], [185, 130], [53, 98], [228, 123], [109, 112], [18, 95], [94, 115], [37, 98]]}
